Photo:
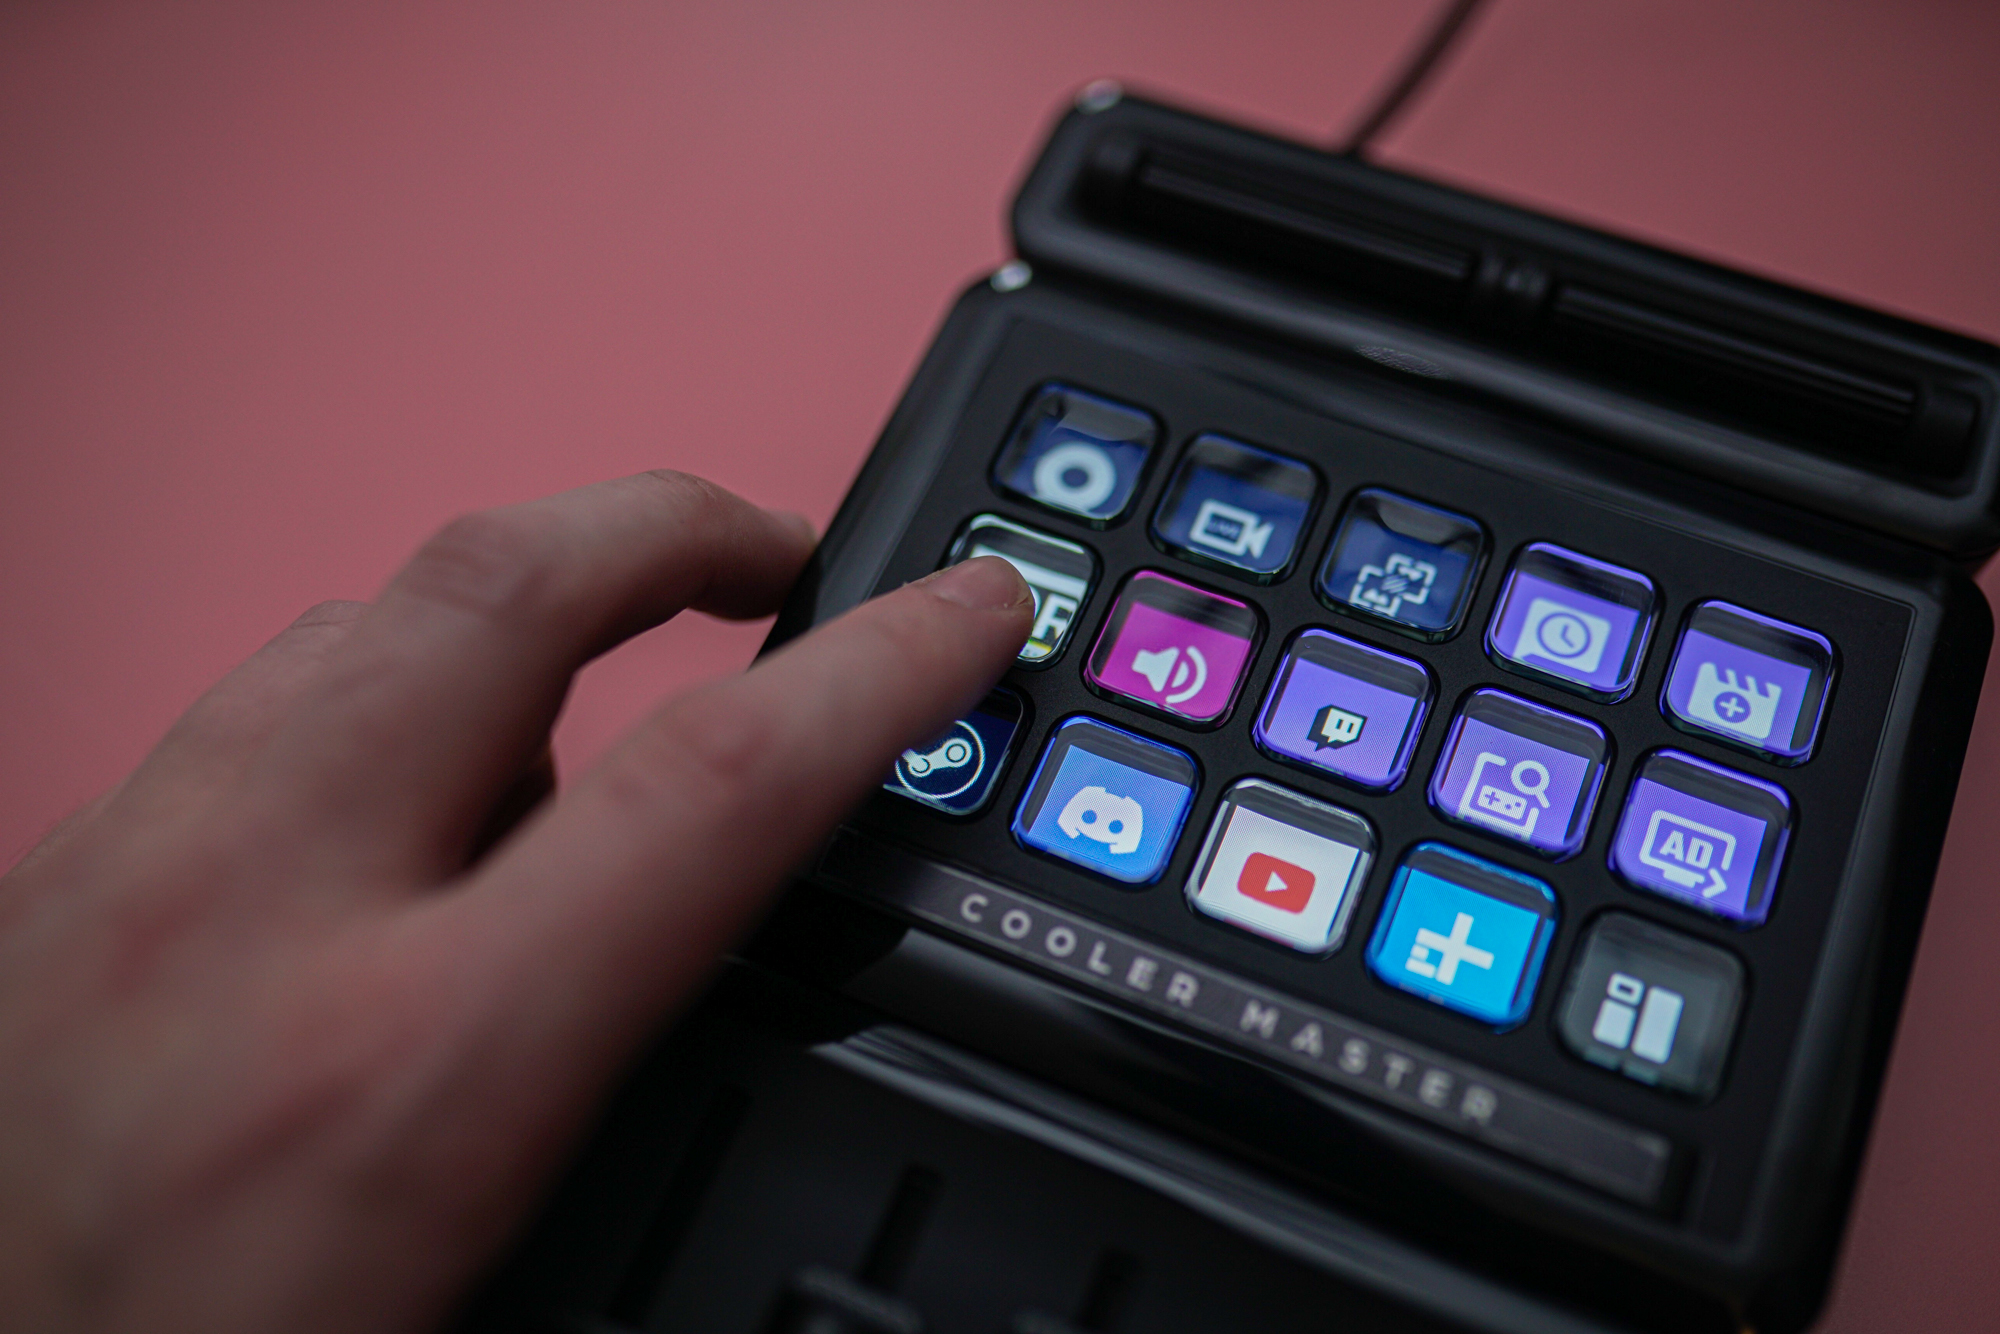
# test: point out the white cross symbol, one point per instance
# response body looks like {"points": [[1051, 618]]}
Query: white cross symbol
{"points": [[1453, 947]]}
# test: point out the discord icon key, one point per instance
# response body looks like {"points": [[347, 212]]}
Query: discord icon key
{"points": [[1344, 709], [1704, 836], [1174, 649], [1059, 573]]}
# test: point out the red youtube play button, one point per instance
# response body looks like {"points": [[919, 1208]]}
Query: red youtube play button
{"points": [[1284, 886]]}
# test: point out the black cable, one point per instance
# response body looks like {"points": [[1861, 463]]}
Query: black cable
{"points": [[1393, 102]]}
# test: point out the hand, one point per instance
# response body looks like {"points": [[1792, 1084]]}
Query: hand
{"points": [[288, 1042]]}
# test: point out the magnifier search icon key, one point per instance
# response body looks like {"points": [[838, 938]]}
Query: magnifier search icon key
{"points": [[1507, 809]]}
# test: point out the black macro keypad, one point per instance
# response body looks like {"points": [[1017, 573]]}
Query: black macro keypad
{"points": [[1494, 529]]}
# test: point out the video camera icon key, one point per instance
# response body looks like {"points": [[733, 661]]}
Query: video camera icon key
{"points": [[1238, 507]]}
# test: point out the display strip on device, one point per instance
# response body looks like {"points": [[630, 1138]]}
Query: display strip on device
{"points": [[1441, 1090]]}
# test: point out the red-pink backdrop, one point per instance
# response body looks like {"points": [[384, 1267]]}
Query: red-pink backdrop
{"points": [[284, 287]]}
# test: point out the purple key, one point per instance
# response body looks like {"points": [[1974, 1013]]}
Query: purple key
{"points": [[1347, 709], [1703, 835], [1573, 620], [1174, 648], [1749, 679], [1522, 772]]}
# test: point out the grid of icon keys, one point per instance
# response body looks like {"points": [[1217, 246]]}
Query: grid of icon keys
{"points": [[1458, 928]]}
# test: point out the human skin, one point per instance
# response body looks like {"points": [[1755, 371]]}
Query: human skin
{"points": [[296, 1022]]}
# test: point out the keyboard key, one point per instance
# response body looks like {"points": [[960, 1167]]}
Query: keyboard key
{"points": [[1521, 771], [1703, 835], [959, 770], [1652, 1004], [1749, 680], [1238, 507], [1174, 648], [1283, 866], [1573, 621], [1345, 709], [1402, 563], [1077, 453], [1108, 800], [1464, 932], [1059, 573]]}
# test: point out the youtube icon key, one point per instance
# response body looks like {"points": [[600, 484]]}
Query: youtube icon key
{"points": [[1284, 886], [1282, 865]]}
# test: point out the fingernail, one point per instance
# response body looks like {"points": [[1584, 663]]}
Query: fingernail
{"points": [[984, 583], [799, 522]]}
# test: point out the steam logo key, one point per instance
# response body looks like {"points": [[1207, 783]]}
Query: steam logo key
{"points": [[1077, 453], [958, 771], [1175, 648], [1107, 800]]}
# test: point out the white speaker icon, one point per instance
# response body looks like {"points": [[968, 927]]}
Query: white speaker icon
{"points": [[1183, 671]]}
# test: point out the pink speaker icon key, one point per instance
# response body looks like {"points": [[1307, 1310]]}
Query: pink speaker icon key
{"points": [[1174, 648]]}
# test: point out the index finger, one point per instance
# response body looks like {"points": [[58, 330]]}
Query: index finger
{"points": [[619, 899]]}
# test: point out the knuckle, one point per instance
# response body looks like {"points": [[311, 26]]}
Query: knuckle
{"points": [[491, 563], [338, 612], [715, 755]]}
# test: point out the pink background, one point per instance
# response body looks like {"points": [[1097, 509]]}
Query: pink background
{"points": [[286, 286]]}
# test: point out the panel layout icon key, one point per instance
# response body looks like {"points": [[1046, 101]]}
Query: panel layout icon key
{"points": [[1652, 1004], [1174, 648], [1465, 933], [1280, 864], [1108, 800], [1059, 573]]}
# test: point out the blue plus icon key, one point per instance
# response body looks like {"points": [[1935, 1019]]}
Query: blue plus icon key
{"points": [[1464, 933]]}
